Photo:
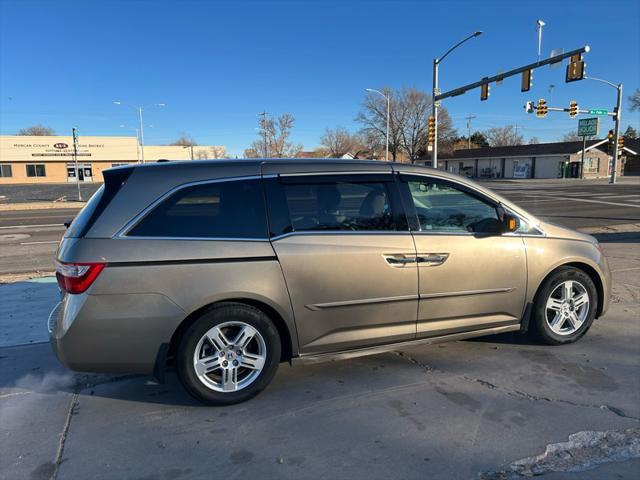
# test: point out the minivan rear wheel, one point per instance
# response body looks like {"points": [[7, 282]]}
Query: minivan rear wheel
{"points": [[229, 354], [565, 306]]}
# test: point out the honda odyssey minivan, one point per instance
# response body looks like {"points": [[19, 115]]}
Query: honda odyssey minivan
{"points": [[224, 269]]}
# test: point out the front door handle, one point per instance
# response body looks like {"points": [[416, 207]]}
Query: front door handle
{"points": [[432, 259], [400, 260]]}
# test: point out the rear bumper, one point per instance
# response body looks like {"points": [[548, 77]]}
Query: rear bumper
{"points": [[112, 333]]}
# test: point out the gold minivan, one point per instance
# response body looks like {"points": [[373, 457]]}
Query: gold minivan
{"points": [[224, 269]]}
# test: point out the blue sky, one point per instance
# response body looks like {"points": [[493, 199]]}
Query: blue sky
{"points": [[217, 64]]}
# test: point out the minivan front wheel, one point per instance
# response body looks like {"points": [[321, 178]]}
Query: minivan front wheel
{"points": [[229, 354], [565, 306]]}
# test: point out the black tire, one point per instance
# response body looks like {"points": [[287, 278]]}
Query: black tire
{"points": [[220, 314], [539, 321]]}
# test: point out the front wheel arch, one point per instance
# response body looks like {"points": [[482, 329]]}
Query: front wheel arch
{"points": [[589, 270]]}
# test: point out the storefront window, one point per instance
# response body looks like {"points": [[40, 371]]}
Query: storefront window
{"points": [[5, 171], [36, 170]]}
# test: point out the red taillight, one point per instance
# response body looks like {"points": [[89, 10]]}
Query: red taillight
{"points": [[77, 277]]}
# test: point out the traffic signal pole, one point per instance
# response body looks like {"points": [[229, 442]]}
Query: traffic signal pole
{"points": [[614, 165], [434, 113]]}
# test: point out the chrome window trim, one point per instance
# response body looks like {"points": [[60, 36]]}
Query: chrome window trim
{"points": [[342, 232], [122, 233], [329, 172], [194, 239]]}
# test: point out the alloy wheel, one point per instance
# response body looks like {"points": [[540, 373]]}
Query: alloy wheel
{"points": [[229, 356], [567, 307]]}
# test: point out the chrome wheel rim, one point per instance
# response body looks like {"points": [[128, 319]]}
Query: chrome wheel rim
{"points": [[567, 307], [229, 356]]}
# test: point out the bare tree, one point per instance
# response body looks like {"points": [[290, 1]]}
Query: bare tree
{"points": [[274, 138], [534, 141], [634, 99], [339, 141], [373, 117], [416, 105], [37, 130], [504, 136], [185, 141], [573, 137]]}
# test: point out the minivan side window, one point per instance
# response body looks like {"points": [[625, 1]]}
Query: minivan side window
{"points": [[340, 205], [442, 208], [229, 209]]}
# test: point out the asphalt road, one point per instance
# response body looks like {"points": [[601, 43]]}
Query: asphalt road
{"points": [[463, 410], [29, 237]]}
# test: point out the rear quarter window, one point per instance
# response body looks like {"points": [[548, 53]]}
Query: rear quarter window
{"points": [[228, 209], [81, 221]]}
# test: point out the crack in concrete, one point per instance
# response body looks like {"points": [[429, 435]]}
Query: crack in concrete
{"points": [[81, 383], [538, 398], [585, 450], [415, 361], [63, 436], [518, 393]]}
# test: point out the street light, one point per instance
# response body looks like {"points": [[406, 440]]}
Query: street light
{"points": [[137, 140], [139, 110], [436, 91], [373, 90], [618, 115]]}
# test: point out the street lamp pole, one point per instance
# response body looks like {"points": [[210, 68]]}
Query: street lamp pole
{"points": [[436, 91], [618, 117], [137, 140], [388, 99], [139, 110]]}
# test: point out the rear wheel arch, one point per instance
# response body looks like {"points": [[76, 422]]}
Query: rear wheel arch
{"points": [[269, 311]]}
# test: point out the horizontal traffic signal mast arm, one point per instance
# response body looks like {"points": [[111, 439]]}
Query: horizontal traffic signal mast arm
{"points": [[561, 109], [511, 73]]}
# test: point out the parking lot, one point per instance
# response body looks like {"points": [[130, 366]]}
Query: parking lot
{"points": [[495, 407]]}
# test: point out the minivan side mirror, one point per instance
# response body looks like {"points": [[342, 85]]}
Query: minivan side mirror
{"points": [[511, 223]]}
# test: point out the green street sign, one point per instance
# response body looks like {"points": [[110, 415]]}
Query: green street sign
{"points": [[588, 127], [598, 111]]}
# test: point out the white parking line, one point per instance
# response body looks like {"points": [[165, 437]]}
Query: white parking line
{"points": [[33, 226], [40, 243], [616, 204]]}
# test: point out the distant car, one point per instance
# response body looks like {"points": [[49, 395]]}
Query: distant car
{"points": [[227, 268]]}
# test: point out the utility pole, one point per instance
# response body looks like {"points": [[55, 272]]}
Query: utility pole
{"points": [[469, 118], [551, 87], [74, 132], [263, 125]]}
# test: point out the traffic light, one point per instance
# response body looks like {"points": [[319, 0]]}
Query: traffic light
{"points": [[573, 108], [620, 145], [484, 91], [610, 137], [527, 77], [431, 134], [575, 69], [529, 107], [541, 109]]}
